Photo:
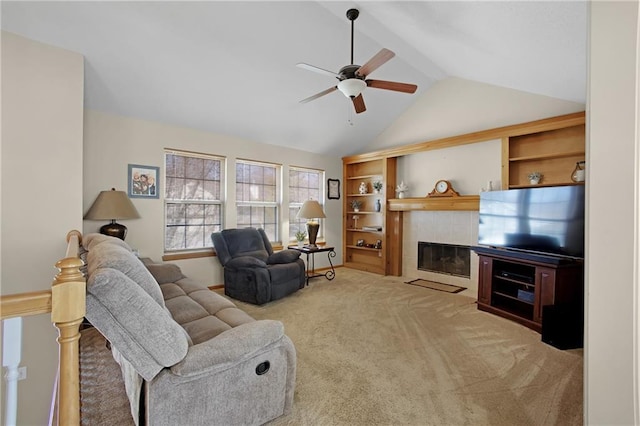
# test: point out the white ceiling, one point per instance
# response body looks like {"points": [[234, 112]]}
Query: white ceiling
{"points": [[229, 67]]}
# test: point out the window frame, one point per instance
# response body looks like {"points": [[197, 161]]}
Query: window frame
{"points": [[277, 204], [221, 202], [298, 205]]}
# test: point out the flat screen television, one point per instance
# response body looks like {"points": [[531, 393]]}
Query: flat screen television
{"points": [[545, 220]]}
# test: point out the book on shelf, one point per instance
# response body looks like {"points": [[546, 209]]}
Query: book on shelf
{"points": [[372, 228]]}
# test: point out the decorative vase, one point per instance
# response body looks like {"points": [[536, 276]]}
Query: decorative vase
{"points": [[401, 194], [534, 181], [362, 189], [579, 172], [300, 244], [356, 209], [378, 205]]}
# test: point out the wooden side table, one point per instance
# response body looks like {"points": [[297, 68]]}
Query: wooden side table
{"points": [[311, 267]]}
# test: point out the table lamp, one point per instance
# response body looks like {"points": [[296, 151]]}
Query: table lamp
{"points": [[311, 210], [112, 205]]}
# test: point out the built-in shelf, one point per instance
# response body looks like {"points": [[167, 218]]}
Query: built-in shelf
{"points": [[547, 156], [363, 248], [544, 185], [461, 203], [370, 231]]}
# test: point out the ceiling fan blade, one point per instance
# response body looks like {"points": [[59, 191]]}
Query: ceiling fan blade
{"points": [[392, 85], [318, 70], [317, 95], [358, 104], [380, 58]]}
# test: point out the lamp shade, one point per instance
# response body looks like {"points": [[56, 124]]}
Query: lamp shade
{"points": [[112, 205], [352, 87], [311, 209]]}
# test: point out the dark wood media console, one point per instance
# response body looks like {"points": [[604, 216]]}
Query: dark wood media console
{"points": [[517, 285]]}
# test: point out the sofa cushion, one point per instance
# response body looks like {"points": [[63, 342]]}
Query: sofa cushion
{"points": [[109, 255], [201, 312], [141, 329], [165, 272]]}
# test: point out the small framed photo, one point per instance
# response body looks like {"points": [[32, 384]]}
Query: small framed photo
{"points": [[360, 243], [143, 181], [333, 189]]}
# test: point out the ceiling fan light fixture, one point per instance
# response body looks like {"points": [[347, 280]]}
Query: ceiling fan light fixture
{"points": [[352, 87]]}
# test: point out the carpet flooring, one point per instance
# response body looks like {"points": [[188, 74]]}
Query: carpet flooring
{"points": [[374, 351]]}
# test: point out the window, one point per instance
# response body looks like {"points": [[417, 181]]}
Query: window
{"points": [[257, 196], [193, 199], [303, 185]]}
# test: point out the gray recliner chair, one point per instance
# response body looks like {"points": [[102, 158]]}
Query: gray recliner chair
{"points": [[253, 273]]}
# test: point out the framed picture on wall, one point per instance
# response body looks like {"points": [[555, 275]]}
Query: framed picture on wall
{"points": [[143, 181], [333, 189]]}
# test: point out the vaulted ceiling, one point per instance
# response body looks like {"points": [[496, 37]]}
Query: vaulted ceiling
{"points": [[230, 67]]}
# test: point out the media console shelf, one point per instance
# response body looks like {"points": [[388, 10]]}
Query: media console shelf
{"points": [[517, 285]]}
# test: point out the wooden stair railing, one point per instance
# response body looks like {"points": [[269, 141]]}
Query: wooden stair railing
{"points": [[66, 303]]}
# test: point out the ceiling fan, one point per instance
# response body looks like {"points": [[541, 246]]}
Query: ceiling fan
{"points": [[353, 78]]}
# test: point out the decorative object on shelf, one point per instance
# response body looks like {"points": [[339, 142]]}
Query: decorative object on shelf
{"points": [[487, 188], [112, 205], [355, 205], [443, 188], [578, 174], [534, 178], [401, 189], [362, 189], [143, 181], [300, 236], [377, 186], [378, 205], [355, 221], [360, 243], [378, 244], [311, 210], [333, 189]]}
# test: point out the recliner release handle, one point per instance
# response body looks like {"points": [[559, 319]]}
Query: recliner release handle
{"points": [[262, 368]]}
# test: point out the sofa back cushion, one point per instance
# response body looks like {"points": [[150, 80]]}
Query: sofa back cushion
{"points": [[142, 330], [110, 254]]}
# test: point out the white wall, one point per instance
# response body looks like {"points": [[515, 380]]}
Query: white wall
{"points": [[42, 101], [611, 378], [112, 142]]}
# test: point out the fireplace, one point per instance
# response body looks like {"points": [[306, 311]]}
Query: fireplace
{"points": [[448, 259]]}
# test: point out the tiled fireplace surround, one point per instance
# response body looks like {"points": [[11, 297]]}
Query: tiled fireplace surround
{"points": [[446, 227]]}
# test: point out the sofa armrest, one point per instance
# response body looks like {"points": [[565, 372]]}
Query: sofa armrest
{"points": [[284, 256], [245, 262], [229, 347]]}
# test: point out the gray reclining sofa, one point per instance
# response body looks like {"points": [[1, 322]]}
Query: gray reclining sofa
{"points": [[194, 356]]}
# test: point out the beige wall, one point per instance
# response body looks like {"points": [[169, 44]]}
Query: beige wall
{"points": [[112, 142], [455, 106], [42, 101], [611, 349]]}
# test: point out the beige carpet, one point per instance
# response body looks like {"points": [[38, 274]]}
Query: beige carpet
{"points": [[375, 351]]}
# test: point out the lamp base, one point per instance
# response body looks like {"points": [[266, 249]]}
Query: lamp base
{"points": [[312, 230], [114, 229]]}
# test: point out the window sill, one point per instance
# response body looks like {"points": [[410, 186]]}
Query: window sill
{"points": [[189, 255]]}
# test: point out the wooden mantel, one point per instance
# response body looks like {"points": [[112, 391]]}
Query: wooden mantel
{"points": [[461, 203]]}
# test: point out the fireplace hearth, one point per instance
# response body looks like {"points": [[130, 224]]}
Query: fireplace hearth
{"points": [[447, 259]]}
